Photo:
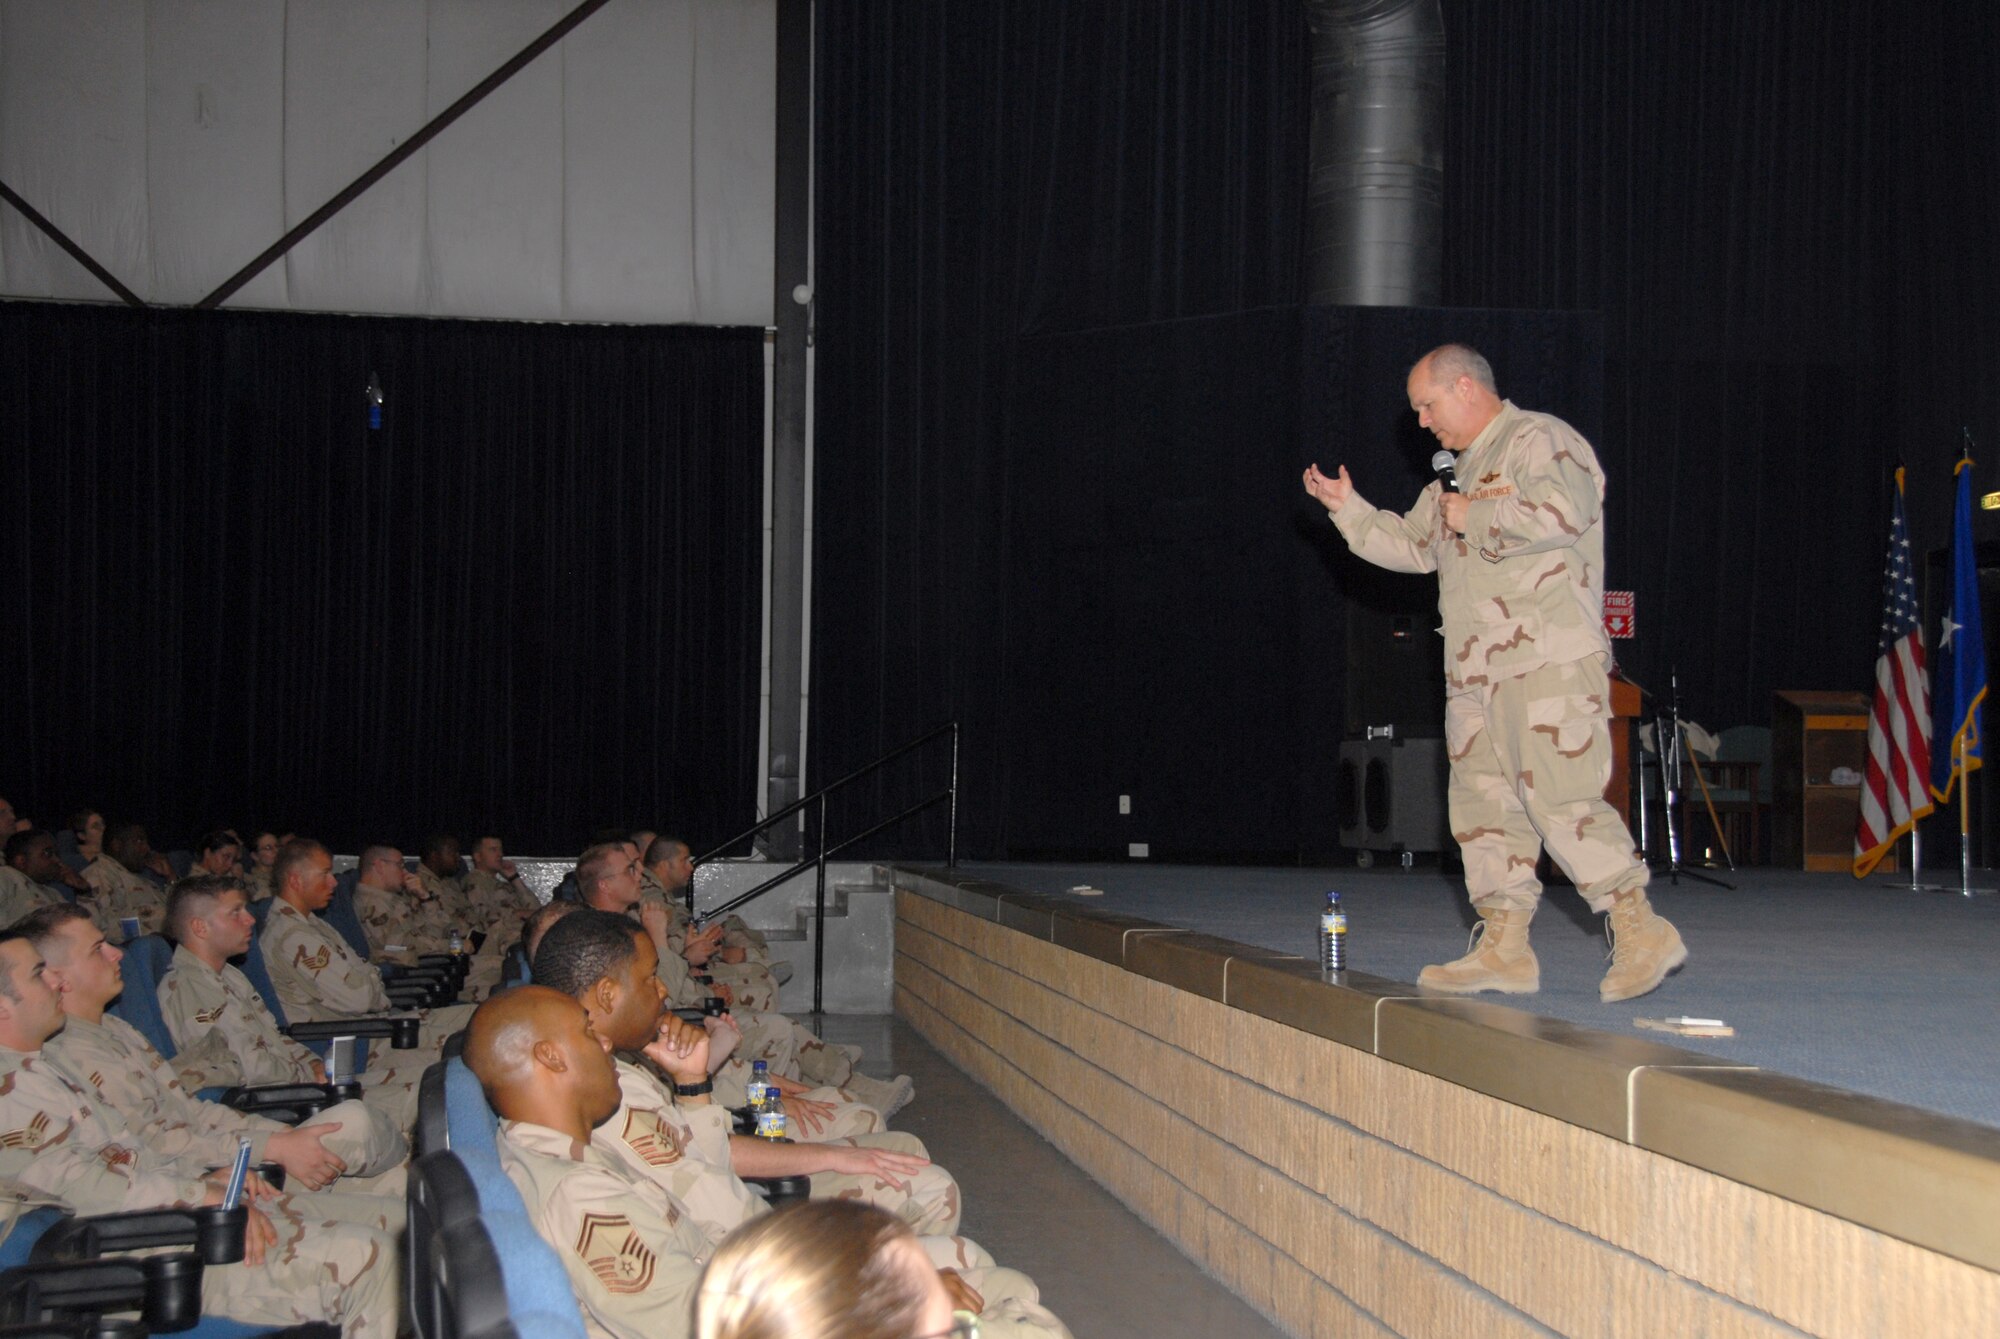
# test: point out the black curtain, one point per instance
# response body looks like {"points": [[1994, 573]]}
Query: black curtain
{"points": [[528, 603], [1781, 211], [1784, 212], [986, 172]]}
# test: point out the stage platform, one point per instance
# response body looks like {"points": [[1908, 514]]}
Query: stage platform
{"points": [[1861, 984], [1353, 1157]]}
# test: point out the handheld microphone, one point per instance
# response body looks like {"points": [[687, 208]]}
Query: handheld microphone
{"points": [[1442, 466]]}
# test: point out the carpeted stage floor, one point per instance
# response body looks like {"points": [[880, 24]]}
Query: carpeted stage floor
{"points": [[1864, 985]]}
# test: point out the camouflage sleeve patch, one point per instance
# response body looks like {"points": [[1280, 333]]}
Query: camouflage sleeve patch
{"points": [[614, 1252], [653, 1139], [33, 1135]]}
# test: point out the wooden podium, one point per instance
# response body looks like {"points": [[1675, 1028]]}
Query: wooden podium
{"points": [[1813, 817], [1624, 715]]}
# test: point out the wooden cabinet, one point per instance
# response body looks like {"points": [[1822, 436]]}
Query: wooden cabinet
{"points": [[1815, 736]]}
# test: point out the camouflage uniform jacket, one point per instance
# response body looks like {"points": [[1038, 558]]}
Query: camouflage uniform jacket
{"points": [[120, 893], [633, 1255], [315, 972], [448, 903], [391, 916], [684, 1149], [20, 895], [498, 906], [56, 1137], [112, 1060], [220, 1022], [1524, 587]]}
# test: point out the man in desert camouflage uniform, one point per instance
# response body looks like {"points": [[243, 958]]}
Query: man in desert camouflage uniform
{"points": [[1520, 561], [500, 898], [404, 916], [608, 879], [103, 1053], [632, 1251], [227, 1035], [121, 885], [728, 950], [33, 875], [812, 1115], [320, 978], [56, 1137], [606, 964]]}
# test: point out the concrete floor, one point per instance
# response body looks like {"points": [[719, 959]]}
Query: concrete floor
{"points": [[1099, 1266]]}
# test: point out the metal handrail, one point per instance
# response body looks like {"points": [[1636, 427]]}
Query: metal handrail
{"points": [[818, 797]]}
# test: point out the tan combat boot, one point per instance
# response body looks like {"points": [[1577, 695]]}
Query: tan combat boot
{"points": [[1644, 948], [1500, 958]]}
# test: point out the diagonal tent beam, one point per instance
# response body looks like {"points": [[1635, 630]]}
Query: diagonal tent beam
{"points": [[77, 253], [397, 156]]}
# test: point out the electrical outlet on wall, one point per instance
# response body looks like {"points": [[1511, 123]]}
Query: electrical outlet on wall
{"points": [[1138, 850], [1124, 804]]}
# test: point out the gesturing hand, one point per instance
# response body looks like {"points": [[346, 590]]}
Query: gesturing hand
{"points": [[1332, 493]]}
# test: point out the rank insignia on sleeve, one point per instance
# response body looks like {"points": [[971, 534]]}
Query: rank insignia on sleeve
{"points": [[312, 962], [651, 1138], [29, 1135], [207, 1016], [622, 1262]]}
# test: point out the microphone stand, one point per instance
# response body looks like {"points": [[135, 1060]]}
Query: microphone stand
{"points": [[1667, 741]]}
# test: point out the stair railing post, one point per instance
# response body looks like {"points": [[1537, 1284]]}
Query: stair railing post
{"points": [[819, 916]]}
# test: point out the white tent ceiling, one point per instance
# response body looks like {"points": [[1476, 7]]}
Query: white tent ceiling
{"points": [[624, 175]]}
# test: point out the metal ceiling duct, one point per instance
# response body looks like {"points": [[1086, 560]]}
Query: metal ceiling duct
{"points": [[1375, 195]]}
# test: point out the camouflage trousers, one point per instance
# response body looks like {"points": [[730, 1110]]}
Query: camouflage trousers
{"points": [[319, 1269], [791, 1050], [928, 1201], [750, 984], [1013, 1307], [1530, 757]]}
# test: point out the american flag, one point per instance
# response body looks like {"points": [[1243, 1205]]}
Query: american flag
{"points": [[1895, 794]]}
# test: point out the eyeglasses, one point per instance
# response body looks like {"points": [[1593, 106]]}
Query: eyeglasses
{"points": [[964, 1325]]}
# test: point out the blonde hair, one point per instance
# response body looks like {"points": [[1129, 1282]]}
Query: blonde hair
{"points": [[818, 1270]]}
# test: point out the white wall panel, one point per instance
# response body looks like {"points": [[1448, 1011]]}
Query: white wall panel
{"points": [[735, 120], [496, 194], [215, 104], [354, 89], [624, 176], [630, 209], [73, 143]]}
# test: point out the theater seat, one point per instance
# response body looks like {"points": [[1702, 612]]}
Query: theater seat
{"points": [[77, 1292]]}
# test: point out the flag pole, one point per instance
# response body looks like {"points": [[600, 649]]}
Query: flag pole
{"points": [[1965, 833]]}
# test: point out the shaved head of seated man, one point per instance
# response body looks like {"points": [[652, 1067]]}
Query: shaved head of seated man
{"points": [[607, 964], [632, 1253]]}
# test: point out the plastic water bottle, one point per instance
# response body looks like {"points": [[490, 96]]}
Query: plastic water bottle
{"points": [[1333, 936], [771, 1120], [457, 943], [760, 1086]]}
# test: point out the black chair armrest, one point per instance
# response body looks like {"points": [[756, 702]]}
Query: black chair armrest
{"points": [[745, 1118], [401, 1030], [215, 1233], [778, 1190], [412, 995], [61, 1292], [302, 1101]]}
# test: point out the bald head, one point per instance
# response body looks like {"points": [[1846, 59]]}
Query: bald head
{"points": [[537, 1058], [500, 1039]]}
